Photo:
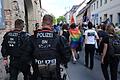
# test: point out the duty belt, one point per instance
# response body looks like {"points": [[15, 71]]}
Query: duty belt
{"points": [[46, 64]]}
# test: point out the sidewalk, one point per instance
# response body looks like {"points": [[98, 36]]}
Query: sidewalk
{"points": [[2, 69], [98, 57], [2, 32]]}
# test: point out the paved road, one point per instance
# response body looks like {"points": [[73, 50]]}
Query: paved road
{"points": [[80, 72], [75, 71]]}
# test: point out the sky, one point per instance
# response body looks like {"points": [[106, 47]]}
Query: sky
{"points": [[59, 7]]}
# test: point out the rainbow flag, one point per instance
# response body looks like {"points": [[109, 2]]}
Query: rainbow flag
{"points": [[75, 35]]}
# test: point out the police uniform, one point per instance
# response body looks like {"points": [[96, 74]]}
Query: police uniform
{"points": [[11, 44], [46, 52]]}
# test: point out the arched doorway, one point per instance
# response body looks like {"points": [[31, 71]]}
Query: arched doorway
{"points": [[28, 13]]}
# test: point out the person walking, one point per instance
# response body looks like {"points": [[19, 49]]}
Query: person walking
{"points": [[65, 32], [107, 59], [90, 40], [101, 33], [74, 40], [12, 42], [36, 27], [47, 51]]}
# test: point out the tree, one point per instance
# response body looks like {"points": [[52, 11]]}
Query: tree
{"points": [[54, 20], [61, 19]]}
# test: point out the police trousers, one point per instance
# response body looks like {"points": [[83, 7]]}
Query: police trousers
{"points": [[16, 68]]}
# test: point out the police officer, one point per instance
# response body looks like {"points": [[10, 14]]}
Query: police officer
{"points": [[11, 44], [48, 51], [36, 28]]}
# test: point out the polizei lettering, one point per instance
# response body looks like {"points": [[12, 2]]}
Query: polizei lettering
{"points": [[47, 34], [46, 62], [13, 34]]}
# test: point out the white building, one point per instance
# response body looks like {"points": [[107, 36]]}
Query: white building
{"points": [[75, 11], [105, 9], [84, 14], [81, 6], [67, 17]]}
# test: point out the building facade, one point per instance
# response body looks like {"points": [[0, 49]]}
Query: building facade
{"points": [[28, 10], [102, 10], [84, 14], [67, 17], [72, 13]]}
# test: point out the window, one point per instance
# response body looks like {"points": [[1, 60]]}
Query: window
{"points": [[111, 18], [97, 4], [100, 19], [118, 18], [105, 16], [94, 6], [105, 1], [96, 20], [100, 2]]}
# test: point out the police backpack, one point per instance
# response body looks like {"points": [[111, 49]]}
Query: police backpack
{"points": [[45, 53], [13, 40]]}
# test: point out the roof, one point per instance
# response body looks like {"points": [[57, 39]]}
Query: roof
{"points": [[82, 10], [85, 8], [66, 13], [74, 8]]}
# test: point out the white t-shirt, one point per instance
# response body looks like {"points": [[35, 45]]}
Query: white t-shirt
{"points": [[90, 36]]}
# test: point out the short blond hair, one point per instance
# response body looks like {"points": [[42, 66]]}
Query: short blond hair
{"points": [[110, 29]]}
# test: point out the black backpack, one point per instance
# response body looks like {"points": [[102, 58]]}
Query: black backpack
{"points": [[114, 45], [44, 47], [45, 54], [48, 47], [15, 39]]}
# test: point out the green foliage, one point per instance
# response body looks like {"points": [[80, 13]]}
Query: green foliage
{"points": [[61, 19], [54, 20], [118, 32]]}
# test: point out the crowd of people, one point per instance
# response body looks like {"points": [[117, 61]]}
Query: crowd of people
{"points": [[55, 45]]}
